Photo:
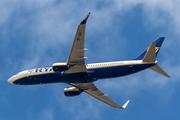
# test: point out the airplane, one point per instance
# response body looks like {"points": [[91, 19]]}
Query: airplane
{"points": [[81, 76]]}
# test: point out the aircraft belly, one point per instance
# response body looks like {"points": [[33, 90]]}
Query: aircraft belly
{"points": [[56, 77], [83, 77], [38, 79]]}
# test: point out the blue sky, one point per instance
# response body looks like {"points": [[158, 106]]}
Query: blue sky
{"points": [[37, 34]]}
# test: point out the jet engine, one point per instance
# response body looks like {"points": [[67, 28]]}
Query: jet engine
{"points": [[72, 91], [57, 67]]}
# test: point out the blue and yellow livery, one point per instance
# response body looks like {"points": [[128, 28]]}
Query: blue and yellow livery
{"points": [[81, 76]]}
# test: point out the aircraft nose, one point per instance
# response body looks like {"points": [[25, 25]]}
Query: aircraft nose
{"points": [[10, 80]]}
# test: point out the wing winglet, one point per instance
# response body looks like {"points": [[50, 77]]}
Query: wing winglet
{"points": [[124, 106], [85, 19]]}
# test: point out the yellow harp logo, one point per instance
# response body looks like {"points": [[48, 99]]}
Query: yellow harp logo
{"points": [[156, 49]]}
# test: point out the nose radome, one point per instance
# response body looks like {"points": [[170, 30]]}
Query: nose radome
{"points": [[10, 80]]}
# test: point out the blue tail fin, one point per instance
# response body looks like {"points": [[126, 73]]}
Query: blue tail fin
{"points": [[159, 42]]}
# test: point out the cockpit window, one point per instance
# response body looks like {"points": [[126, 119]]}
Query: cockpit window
{"points": [[17, 73]]}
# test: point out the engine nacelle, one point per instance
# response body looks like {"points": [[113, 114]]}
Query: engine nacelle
{"points": [[58, 67], [72, 91]]}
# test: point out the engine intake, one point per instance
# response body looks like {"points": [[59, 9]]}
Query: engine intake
{"points": [[72, 91]]}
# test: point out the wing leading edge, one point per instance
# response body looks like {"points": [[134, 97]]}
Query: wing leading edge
{"points": [[92, 90]]}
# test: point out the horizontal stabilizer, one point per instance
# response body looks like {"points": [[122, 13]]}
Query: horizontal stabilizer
{"points": [[150, 55], [124, 106], [159, 70]]}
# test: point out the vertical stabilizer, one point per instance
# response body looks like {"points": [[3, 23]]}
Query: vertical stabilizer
{"points": [[150, 56], [159, 42]]}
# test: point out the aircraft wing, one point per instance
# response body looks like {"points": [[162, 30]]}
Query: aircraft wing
{"points": [[76, 57], [92, 90]]}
